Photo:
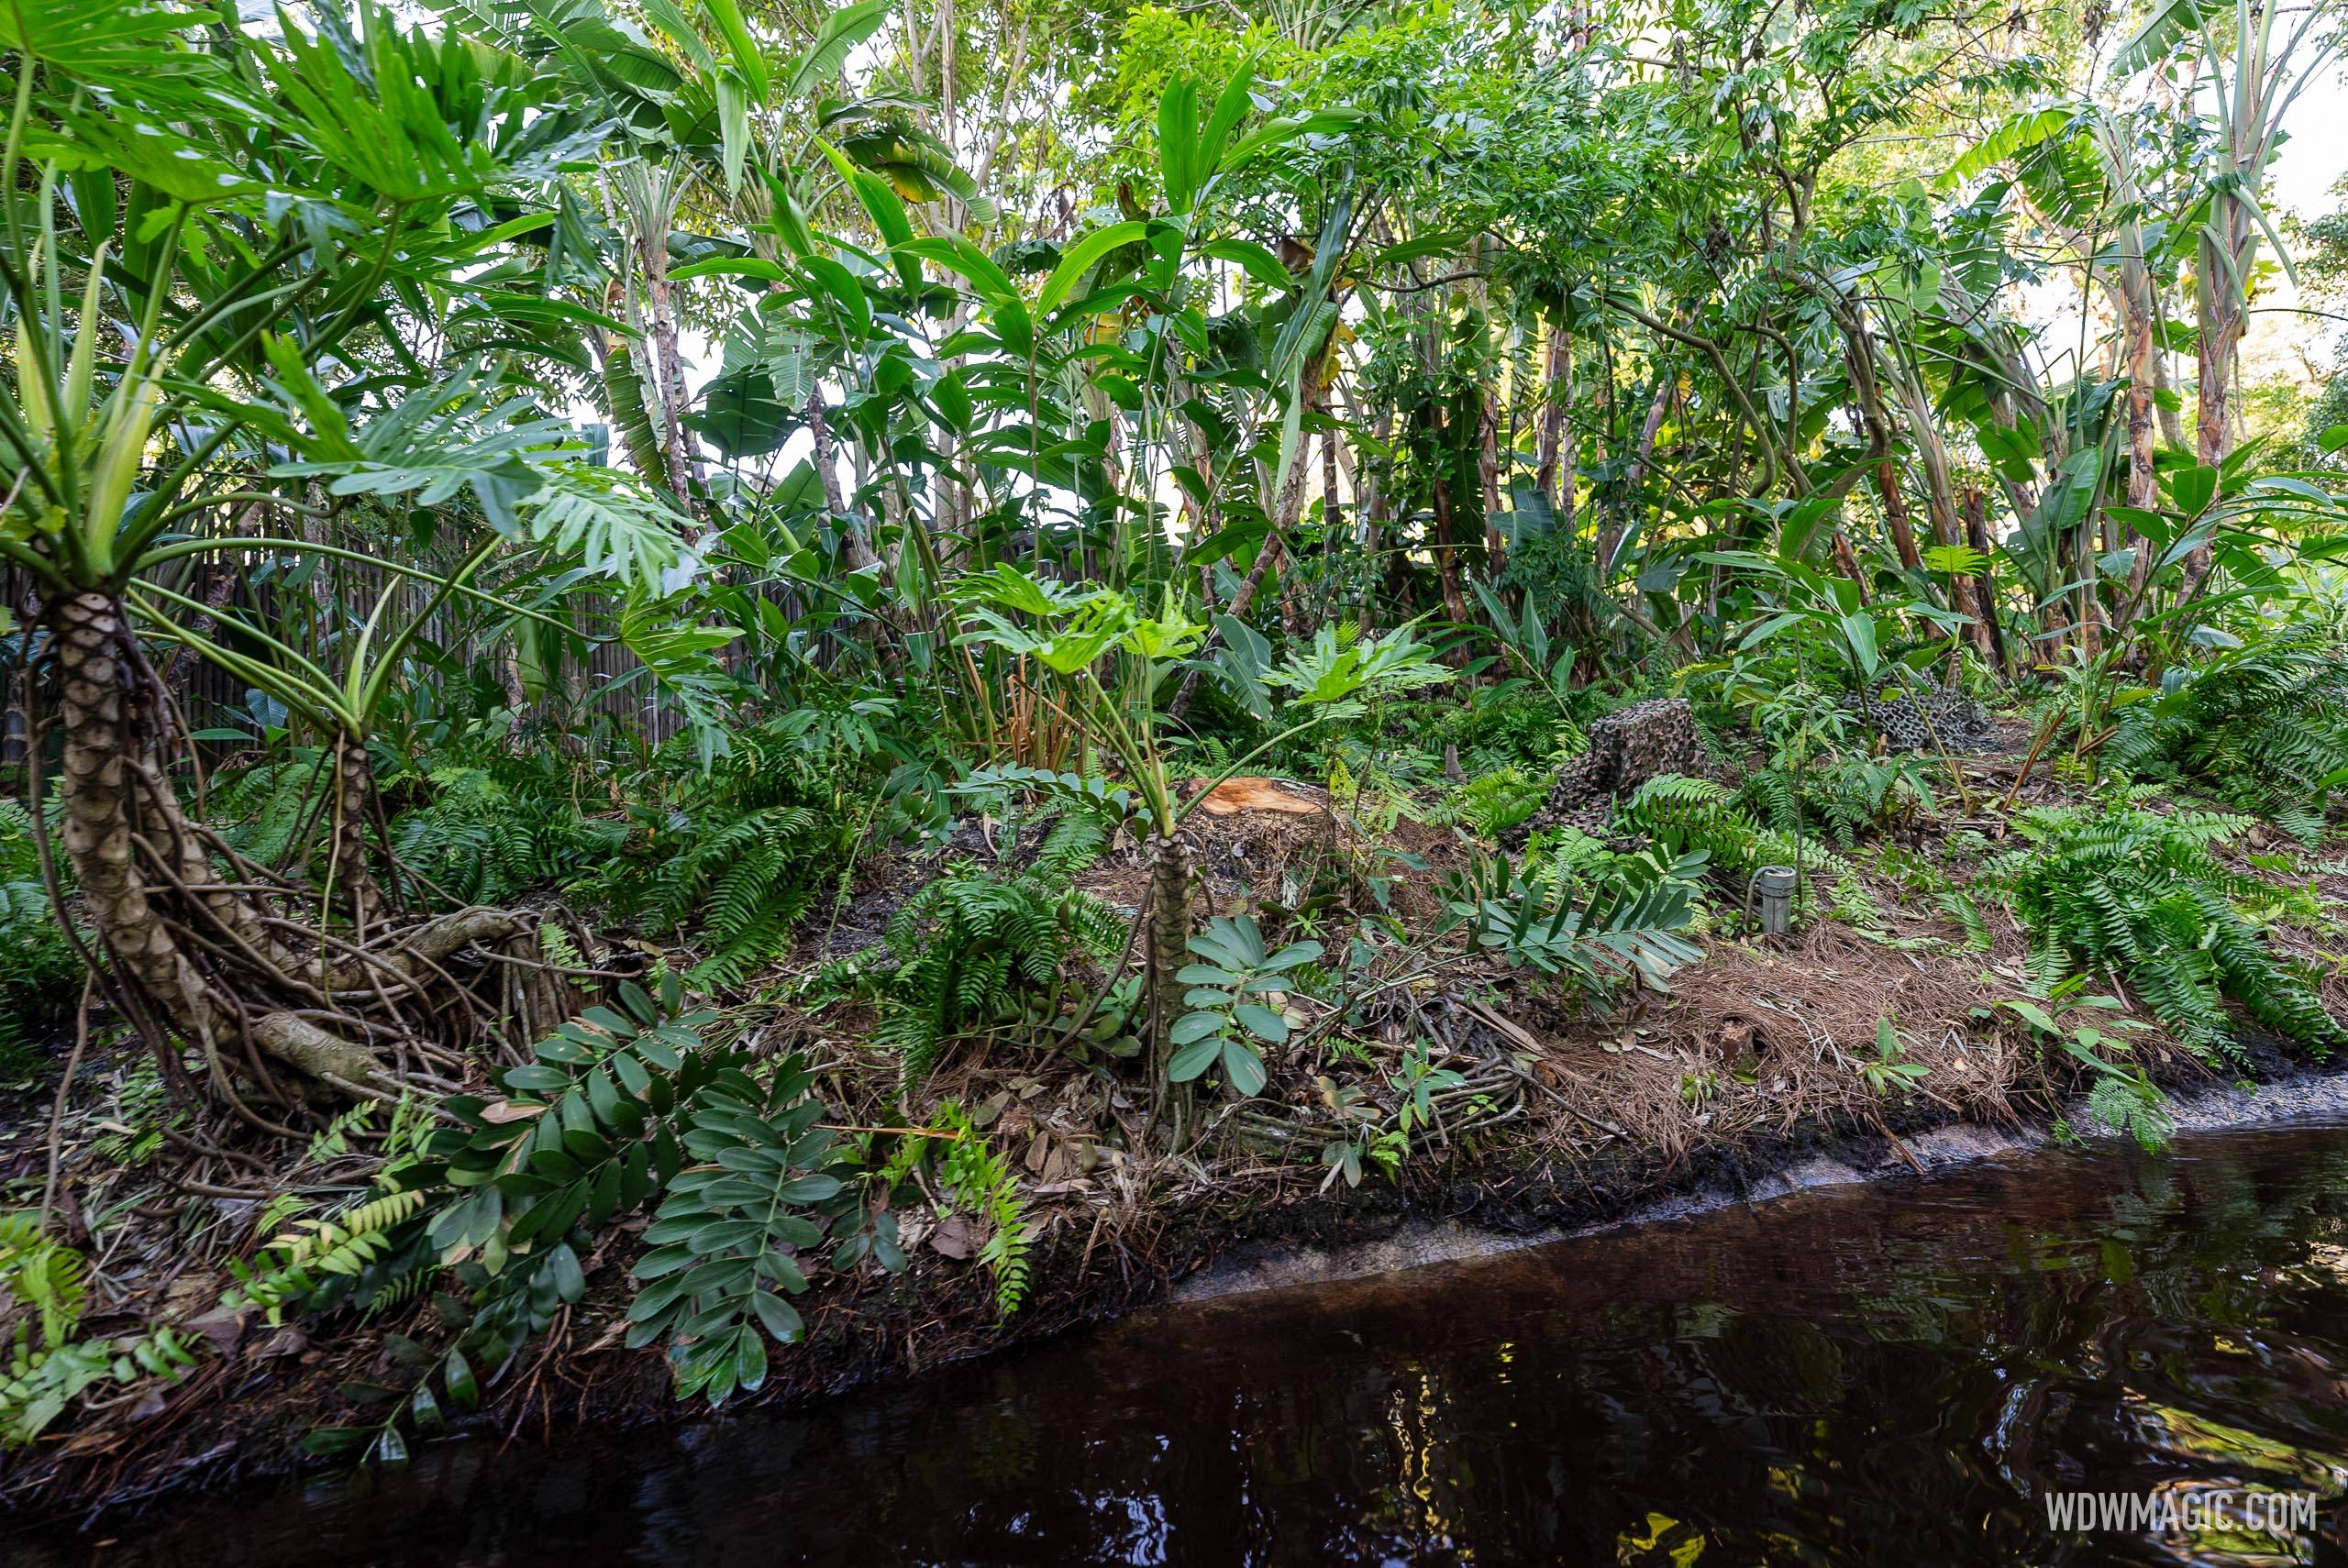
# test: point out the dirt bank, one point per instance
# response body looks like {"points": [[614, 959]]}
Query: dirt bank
{"points": [[2310, 1094], [241, 1421]]}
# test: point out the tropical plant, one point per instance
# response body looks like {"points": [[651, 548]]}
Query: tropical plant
{"points": [[978, 949], [1620, 927], [2119, 890], [49, 1366], [1234, 993], [2262, 727]]}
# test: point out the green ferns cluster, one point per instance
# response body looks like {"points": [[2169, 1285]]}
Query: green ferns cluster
{"points": [[2264, 728], [741, 854], [2116, 888], [975, 1179], [270, 810], [979, 947], [1844, 799], [1683, 814], [1495, 802], [44, 1286], [746, 879], [481, 841]]}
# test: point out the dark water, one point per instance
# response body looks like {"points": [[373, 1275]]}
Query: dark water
{"points": [[1850, 1376]]}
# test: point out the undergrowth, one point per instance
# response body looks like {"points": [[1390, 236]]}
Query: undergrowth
{"points": [[2117, 889], [980, 947]]}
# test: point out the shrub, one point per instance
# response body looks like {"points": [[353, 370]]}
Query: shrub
{"points": [[39, 969], [979, 947], [2115, 888], [2262, 727]]}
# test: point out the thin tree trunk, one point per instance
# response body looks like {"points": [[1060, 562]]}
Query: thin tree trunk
{"points": [[1558, 392], [855, 541], [1974, 504], [668, 366], [1488, 483], [1170, 942]]}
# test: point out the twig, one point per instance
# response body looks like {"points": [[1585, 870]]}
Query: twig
{"points": [[65, 1088]]}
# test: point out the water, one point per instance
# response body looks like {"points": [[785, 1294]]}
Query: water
{"points": [[1888, 1376]]}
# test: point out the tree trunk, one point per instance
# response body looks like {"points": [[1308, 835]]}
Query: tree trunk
{"points": [[1447, 552], [116, 803], [2138, 310], [854, 544], [1169, 946], [1488, 484], [357, 811], [1558, 391], [1974, 503], [668, 366]]}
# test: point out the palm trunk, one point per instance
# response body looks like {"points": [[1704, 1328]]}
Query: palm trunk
{"points": [[357, 809]]}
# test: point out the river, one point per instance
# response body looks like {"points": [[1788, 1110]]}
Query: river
{"points": [[1897, 1374]]}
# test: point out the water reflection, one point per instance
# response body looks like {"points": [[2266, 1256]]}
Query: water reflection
{"points": [[1845, 1378]]}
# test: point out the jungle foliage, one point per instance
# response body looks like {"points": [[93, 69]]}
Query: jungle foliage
{"points": [[612, 608]]}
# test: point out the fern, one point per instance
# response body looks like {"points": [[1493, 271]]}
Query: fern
{"points": [[270, 812], [2116, 888], [1073, 843], [1495, 802], [295, 1266], [977, 1180], [481, 840], [2131, 1103], [975, 947], [2261, 727], [39, 969], [47, 1277], [746, 849], [47, 1370]]}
